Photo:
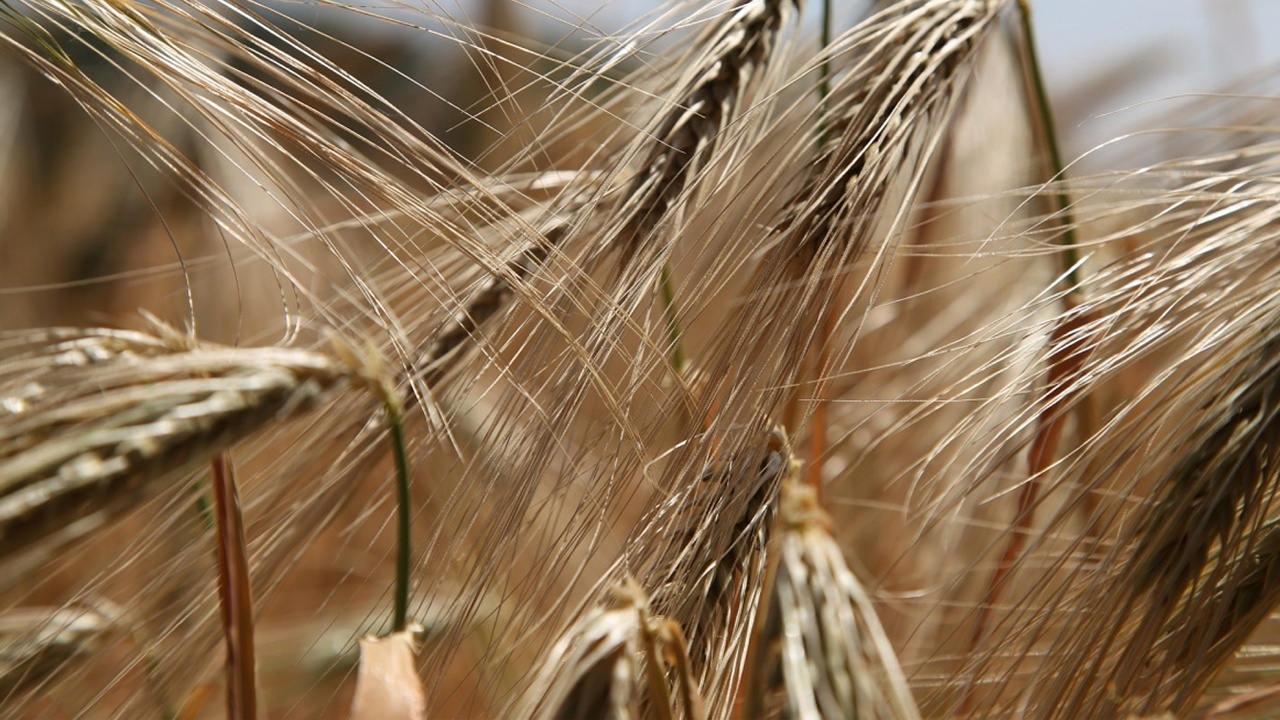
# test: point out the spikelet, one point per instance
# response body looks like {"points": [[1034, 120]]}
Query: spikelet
{"points": [[819, 650], [1167, 512], [897, 79], [611, 665], [703, 554], [682, 140], [95, 421], [706, 100]]}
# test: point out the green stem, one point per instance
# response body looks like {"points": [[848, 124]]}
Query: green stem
{"points": [[204, 504], [1044, 110], [396, 425], [678, 358], [824, 72], [825, 69]]}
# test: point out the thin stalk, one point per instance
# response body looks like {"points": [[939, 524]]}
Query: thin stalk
{"points": [[678, 359], [369, 366], [824, 70], [1049, 145], [1085, 409], [235, 594], [818, 433], [1065, 359], [204, 506], [1067, 355], [395, 423]]}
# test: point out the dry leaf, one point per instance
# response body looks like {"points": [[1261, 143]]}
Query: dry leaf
{"points": [[387, 686]]}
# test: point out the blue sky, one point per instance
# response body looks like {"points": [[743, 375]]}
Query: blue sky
{"points": [[1182, 46], [1170, 47], [1185, 46]]}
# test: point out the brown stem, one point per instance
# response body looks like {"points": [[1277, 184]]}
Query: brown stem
{"points": [[1066, 355], [818, 432], [234, 594]]}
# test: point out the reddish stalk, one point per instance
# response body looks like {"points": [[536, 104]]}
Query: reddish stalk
{"points": [[1066, 355], [818, 431], [234, 594], [1065, 358]]}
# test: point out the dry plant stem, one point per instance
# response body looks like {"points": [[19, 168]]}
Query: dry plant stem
{"points": [[818, 424], [1049, 145], [1062, 365], [1044, 447], [1068, 353], [235, 594]]}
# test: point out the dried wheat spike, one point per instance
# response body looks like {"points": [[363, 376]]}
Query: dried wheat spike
{"points": [[702, 552], [912, 61], [90, 422], [897, 80], [484, 302], [1202, 574], [603, 666], [706, 100], [1207, 633], [700, 106], [819, 650]]}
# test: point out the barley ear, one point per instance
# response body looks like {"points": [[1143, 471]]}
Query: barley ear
{"points": [[115, 415], [819, 650]]}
